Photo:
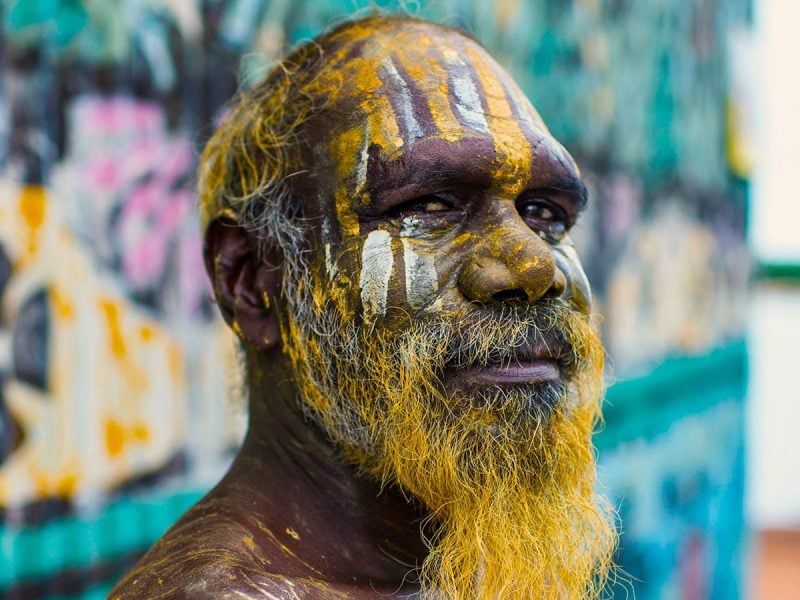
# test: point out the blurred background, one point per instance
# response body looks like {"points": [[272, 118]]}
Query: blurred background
{"points": [[118, 394]]}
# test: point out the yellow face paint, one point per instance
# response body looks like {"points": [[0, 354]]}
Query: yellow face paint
{"points": [[511, 144]]}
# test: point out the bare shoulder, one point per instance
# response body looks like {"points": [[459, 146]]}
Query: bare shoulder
{"points": [[216, 581], [211, 552]]}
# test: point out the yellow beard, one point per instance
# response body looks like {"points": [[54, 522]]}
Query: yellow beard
{"points": [[508, 477]]}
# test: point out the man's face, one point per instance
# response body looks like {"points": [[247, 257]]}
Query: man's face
{"points": [[441, 332], [441, 192]]}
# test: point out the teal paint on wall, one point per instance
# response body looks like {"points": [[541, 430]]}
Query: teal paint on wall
{"points": [[128, 524]]}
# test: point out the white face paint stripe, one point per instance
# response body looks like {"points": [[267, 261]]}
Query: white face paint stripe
{"points": [[361, 167], [580, 281], [421, 278], [526, 113], [376, 269], [469, 103], [331, 268], [406, 108]]}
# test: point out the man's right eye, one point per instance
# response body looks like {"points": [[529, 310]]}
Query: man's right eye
{"points": [[428, 204]]}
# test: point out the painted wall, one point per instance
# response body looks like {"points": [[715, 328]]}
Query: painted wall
{"points": [[117, 399]]}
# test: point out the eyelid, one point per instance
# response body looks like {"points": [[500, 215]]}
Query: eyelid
{"points": [[562, 203], [445, 197]]}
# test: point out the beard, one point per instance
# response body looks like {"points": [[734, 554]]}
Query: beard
{"points": [[507, 472]]}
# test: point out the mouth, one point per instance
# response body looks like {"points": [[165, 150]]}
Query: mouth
{"points": [[544, 362], [528, 372]]}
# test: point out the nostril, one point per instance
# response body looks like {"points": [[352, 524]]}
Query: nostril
{"points": [[513, 295], [559, 285]]}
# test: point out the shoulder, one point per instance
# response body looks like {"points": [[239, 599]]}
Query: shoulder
{"points": [[208, 553], [212, 552], [215, 581]]}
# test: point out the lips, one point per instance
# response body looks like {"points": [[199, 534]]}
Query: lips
{"points": [[543, 361], [520, 373]]}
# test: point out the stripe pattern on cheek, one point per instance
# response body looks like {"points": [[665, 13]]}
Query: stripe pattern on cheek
{"points": [[377, 262], [421, 277]]}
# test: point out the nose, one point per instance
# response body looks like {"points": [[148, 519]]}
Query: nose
{"points": [[511, 264]]}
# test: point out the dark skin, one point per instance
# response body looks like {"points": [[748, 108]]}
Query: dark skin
{"points": [[291, 518]]}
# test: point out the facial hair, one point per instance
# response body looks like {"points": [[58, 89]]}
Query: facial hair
{"points": [[508, 472]]}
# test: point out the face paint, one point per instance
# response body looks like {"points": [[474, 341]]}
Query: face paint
{"points": [[331, 269], [469, 105], [376, 269], [468, 102], [421, 277], [567, 260], [396, 83], [346, 147], [505, 130]]}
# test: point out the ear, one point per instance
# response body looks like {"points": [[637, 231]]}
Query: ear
{"points": [[246, 287]]}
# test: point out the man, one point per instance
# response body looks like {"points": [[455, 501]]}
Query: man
{"points": [[387, 231]]}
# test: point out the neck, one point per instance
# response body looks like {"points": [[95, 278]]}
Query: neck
{"points": [[325, 517]]}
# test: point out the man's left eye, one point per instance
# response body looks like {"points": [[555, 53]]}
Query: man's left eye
{"points": [[545, 217]]}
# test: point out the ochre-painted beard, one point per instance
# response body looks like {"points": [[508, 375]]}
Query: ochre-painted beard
{"points": [[508, 477]]}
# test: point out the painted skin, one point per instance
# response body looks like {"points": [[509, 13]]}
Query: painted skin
{"points": [[447, 188], [435, 186]]}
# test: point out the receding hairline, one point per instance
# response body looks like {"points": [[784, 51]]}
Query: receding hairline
{"points": [[312, 54], [378, 22]]}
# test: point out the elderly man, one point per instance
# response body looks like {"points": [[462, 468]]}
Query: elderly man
{"points": [[387, 230]]}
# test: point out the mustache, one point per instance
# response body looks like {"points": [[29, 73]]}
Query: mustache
{"points": [[486, 336]]}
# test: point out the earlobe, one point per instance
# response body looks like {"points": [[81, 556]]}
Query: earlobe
{"points": [[245, 286]]}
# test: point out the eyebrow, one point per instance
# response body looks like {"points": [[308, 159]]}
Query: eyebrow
{"points": [[430, 164], [435, 163], [572, 186]]}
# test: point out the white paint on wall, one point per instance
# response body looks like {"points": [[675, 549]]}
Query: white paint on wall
{"points": [[775, 209], [773, 408]]}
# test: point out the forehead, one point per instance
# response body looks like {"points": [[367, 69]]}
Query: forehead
{"points": [[405, 81]]}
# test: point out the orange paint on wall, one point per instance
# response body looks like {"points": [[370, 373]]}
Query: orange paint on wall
{"points": [[65, 485], [146, 333], [32, 205], [140, 433], [115, 437], [116, 340], [62, 304]]}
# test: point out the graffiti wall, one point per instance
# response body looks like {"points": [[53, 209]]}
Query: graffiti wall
{"points": [[118, 395]]}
